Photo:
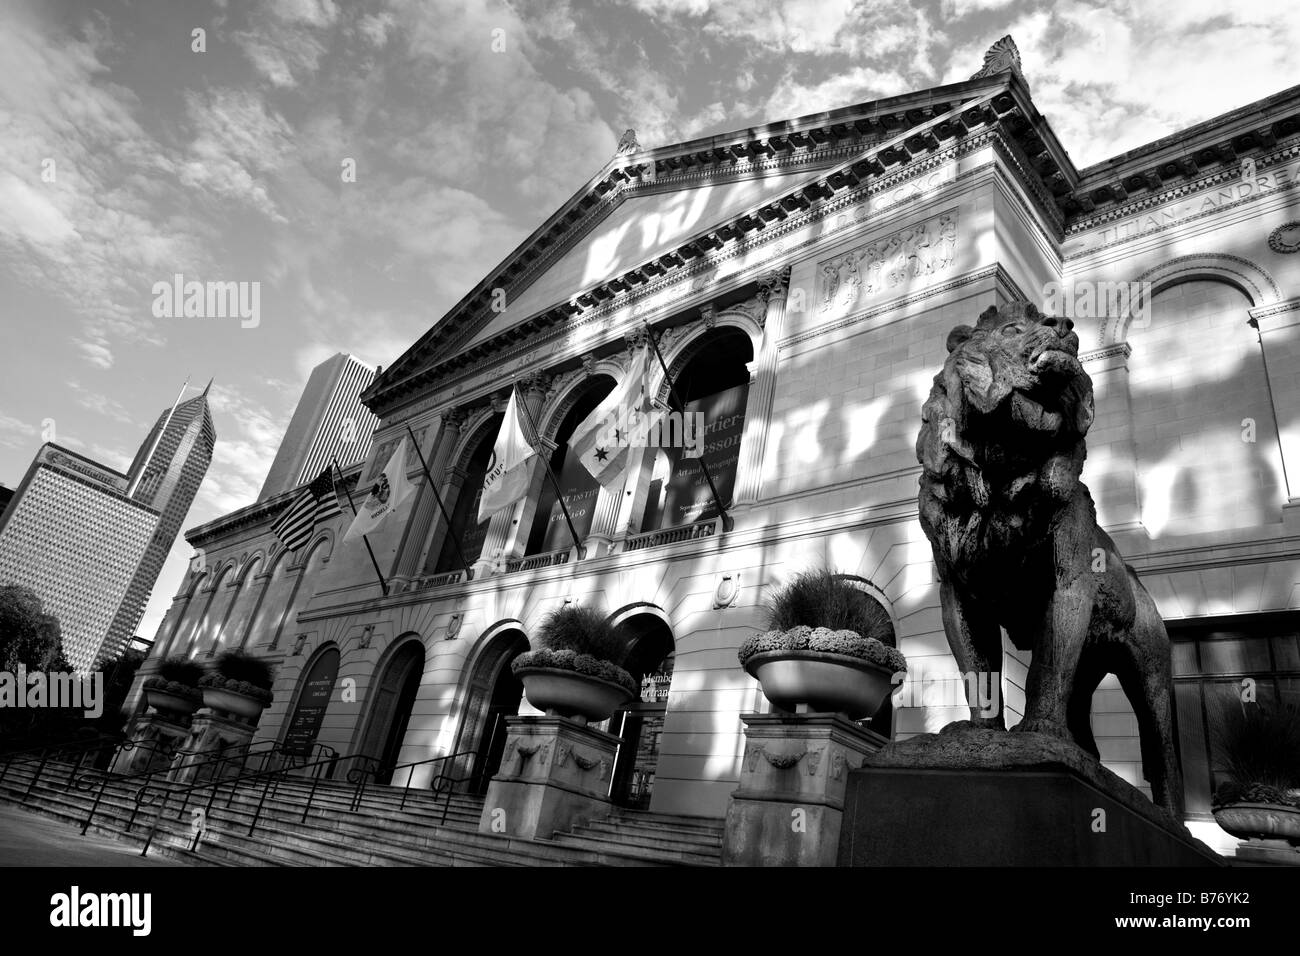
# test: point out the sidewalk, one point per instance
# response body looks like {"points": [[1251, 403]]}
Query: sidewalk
{"points": [[28, 839]]}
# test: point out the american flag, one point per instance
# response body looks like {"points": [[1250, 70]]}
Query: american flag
{"points": [[316, 503]]}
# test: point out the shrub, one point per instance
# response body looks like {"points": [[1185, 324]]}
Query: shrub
{"points": [[181, 671], [1260, 748], [822, 598], [245, 668], [583, 630]]}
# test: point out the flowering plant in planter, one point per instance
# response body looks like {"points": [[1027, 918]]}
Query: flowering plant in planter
{"points": [[241, 685], [828, 647], [234, 686], [1260, 748], [575, 666]]}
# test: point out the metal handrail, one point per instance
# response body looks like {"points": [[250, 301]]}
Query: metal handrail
{"points": [[207, 759], [357, 775], [145, 798], [81, 748]]}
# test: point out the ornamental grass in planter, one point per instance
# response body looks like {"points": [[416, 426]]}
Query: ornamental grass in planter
{"points": [[1260, 749], [828, 647], [240, 685], [575, 666], [175, 688]]}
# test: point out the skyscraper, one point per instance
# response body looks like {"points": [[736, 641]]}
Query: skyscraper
{"points": [[329, 421], [165, 475], [90, 540]]}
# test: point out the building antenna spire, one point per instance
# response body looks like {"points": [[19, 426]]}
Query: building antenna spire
{"points": [[144, 465]]}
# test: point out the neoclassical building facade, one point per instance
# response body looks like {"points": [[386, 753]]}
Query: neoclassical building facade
{"points": [[800, 280]]}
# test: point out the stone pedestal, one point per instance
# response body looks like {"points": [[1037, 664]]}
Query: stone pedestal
{"points": [[788, 808], [155, 738], [980, 797], [209, 733], [554, 775]]}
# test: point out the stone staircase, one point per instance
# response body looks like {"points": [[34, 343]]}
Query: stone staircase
{"points": [[380, 833]]}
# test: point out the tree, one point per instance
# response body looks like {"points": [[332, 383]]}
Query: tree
{"points": [[28, 635]]}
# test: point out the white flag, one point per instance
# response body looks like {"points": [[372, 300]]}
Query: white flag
{"points": [[386, 495], [506, 480], [622, 421]]}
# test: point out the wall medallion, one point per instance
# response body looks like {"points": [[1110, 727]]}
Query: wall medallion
{"points": [[1285, 238]]}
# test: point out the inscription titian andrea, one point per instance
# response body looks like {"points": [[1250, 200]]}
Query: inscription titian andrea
{"points": [[918, 250]]}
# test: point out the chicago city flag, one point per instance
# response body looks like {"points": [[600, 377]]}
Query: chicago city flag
{"points": [[506, 480], [386, 495], [622, 421]]}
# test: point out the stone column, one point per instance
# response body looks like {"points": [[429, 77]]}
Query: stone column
{"points": [[452, 489], [439, 461], [1111, 472], [437, 447], [1279, 340], [773, 288], [513, 541]]}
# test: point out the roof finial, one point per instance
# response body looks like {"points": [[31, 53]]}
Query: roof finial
{"points": [[207, 387], [628, 143], [1001, 57]]}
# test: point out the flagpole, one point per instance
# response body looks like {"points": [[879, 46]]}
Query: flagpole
{"points": [[559, 495], [727, 523], [382, 583], [451, 532]]}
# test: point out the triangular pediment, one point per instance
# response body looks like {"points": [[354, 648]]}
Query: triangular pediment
{"points": [[649, 213], [640, 228]]}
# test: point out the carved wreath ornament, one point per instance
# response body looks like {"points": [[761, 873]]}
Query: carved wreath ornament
{"points": [[1285, 238], [784, 761]]}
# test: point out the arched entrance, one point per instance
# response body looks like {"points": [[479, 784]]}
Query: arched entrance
{"points": [[640, 724], [493, 694], [390, 708]]}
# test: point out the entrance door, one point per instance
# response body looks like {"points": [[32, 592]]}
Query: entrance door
{"points": [[640, 724], [507, 693], [391, 709]]}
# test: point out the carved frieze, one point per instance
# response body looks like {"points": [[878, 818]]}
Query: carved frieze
{"points": [[883, 264]]}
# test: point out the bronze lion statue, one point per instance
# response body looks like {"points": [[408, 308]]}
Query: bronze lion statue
{"points": [[1016, 540]]}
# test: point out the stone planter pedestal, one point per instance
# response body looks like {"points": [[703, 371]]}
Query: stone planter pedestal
{"points": [[155, 738], [554, 775], [209, 733], [788, 807]]}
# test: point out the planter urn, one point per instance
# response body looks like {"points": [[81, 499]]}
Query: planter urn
{"points": [[566, 693]]}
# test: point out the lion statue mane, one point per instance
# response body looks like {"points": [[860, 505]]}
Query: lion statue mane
{"points": [[1016, 541]]}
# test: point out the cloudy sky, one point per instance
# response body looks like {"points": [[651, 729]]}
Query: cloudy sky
{"points": [[127, 156]]}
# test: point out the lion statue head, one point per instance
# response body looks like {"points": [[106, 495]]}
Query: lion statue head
{"points": [[1006, 417]]}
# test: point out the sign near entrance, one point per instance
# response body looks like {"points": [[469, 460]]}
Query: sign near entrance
{"points": [[688, 498], [317, 689]]}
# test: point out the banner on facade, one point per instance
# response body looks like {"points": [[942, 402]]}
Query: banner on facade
{"points": [[687, 498], [580, 492]]}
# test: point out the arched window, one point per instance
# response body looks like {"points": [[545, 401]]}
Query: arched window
{"points": [[241, 608], [1203, 429], [304, 587], [187, 617], [709, 410], [207, 624], [465, 525], [270, 606], [550, 532]]}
